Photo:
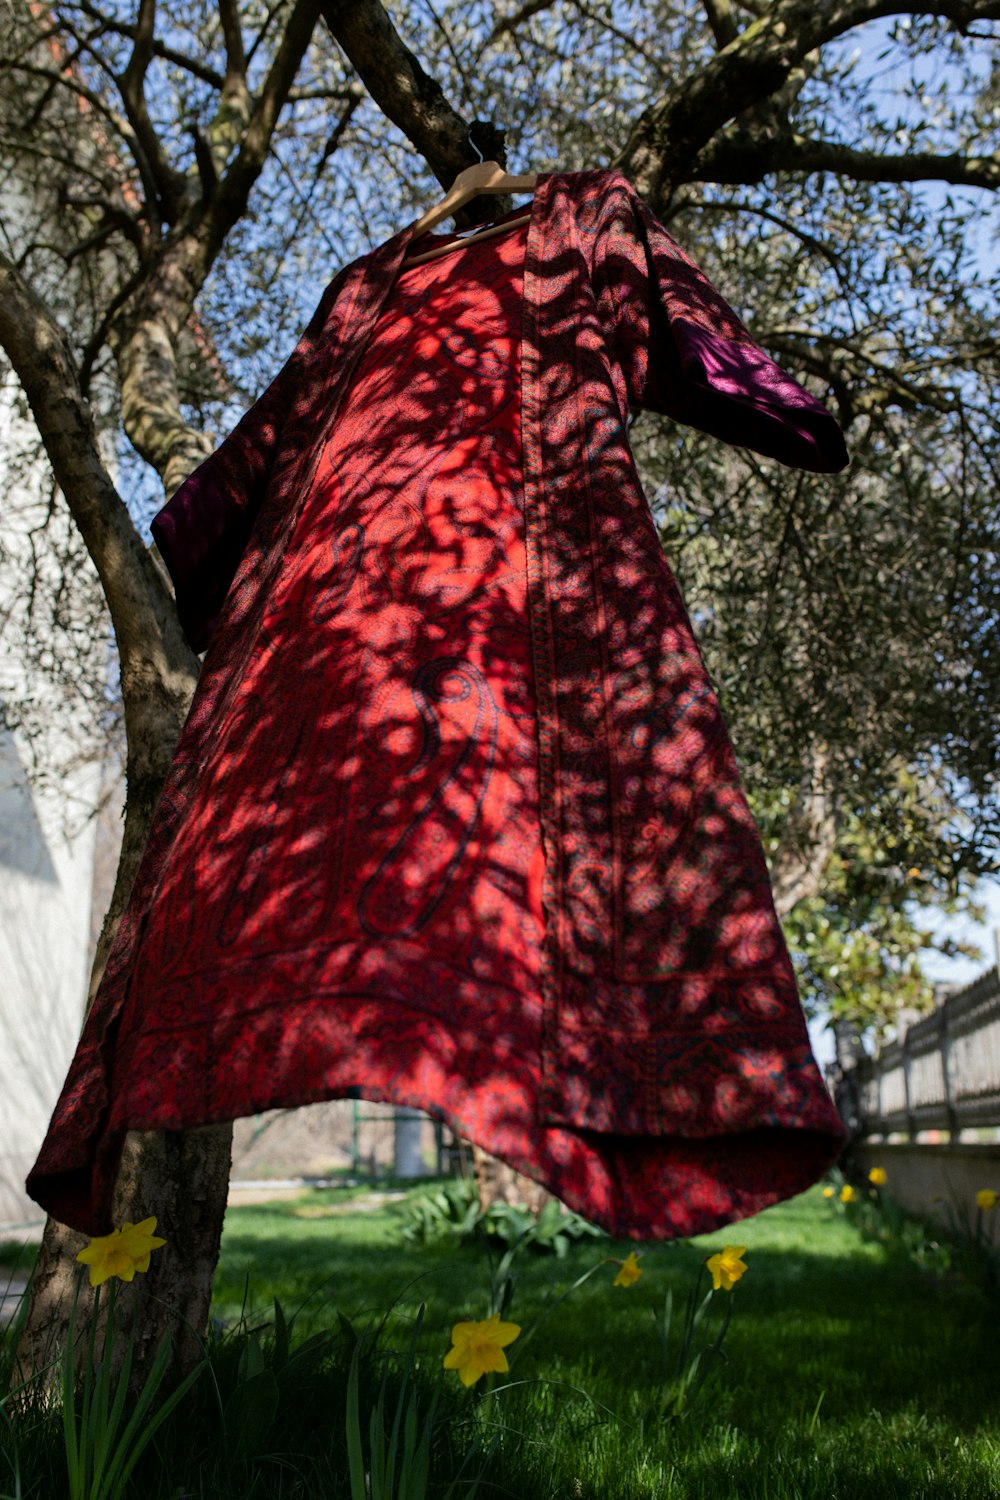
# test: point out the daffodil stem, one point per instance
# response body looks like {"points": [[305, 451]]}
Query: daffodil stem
{"points": [[549, 1306]]}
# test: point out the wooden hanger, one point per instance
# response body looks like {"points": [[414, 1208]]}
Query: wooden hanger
{"points": [[484, 177]]}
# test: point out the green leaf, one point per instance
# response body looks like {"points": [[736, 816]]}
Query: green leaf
{"points": [[251, 1358], [355, 1449], [249, 1414], [73, 1471], [282, 1337]]}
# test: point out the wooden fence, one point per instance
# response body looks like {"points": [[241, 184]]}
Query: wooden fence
{"points": [[942, 1074]]}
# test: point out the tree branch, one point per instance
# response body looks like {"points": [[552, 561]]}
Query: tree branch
{"points": [[864, 385], [234, 188], [168, 54], [141, 609], [804, 155], [522, 14], [72, 82], [212, 149], [99, 336], [144, 336], [235, 95], [144, 341], [404, 92], [669, 136], [229, 17], [168, 185], [722, 21], [820, 247], [808, 837]]}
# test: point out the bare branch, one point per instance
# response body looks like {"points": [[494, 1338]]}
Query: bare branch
{"points": [[669, 136], [722, 21], [404, 92], [167, 184], [191, 65], [234, 188], [33, 341]]}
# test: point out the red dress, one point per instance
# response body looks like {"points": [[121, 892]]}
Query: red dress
{"points": [[344, 884], [369, 916]]}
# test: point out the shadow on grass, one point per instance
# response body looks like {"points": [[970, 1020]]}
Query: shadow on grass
{"points": [[820, 1315], [850, 1375]]}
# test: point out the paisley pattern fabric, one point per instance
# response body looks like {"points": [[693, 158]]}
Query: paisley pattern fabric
{"points": [[454, 820]]}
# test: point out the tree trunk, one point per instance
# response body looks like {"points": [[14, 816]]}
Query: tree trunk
{"points": [[498, 1183], [809, 836], [181, 1177]]}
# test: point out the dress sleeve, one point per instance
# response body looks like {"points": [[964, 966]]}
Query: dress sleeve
{"points": [[202, 531], [684, 352]]}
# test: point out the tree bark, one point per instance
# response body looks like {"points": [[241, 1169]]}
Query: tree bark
{"points": [[808, 838], [496, 1182], [181, 1181], [181, 1177]]}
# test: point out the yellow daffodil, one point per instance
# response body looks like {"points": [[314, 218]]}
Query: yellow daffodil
{"points": [[478, 1348], [727, 1267], [828, 1192], [986, 1199], [878, 1176], [630, 1271], [122, 1252], [847, 1193]]}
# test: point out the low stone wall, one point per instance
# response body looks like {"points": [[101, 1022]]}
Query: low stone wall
{"points": [[926, 1180]]}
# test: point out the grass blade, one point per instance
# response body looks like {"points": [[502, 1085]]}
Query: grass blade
{"points": [[355, 1452]]}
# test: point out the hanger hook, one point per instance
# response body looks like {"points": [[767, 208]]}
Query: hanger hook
{"points": [[474, 146]]}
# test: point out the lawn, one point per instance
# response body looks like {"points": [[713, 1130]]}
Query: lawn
{"points": [[850, 1373]]}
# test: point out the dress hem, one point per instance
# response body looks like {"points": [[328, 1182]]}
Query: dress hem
{"points": [[691, 1176]]}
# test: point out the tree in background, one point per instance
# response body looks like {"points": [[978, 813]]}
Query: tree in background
{"points": [[204, 170]]}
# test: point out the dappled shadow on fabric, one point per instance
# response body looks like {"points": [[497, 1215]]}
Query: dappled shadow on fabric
{"points": [[454, 821]]}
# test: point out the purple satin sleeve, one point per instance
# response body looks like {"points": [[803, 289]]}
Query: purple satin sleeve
{"points": [[736, 392], [201, 534], [682, 350]]}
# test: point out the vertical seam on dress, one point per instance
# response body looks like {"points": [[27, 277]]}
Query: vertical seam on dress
{"points": [[597, 592], [539, 616]]}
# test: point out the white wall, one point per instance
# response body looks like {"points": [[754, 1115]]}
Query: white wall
{"points": [[49, 785], [45, 901]]}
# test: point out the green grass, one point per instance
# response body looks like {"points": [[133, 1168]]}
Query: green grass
{"points": [[850, 1374]]}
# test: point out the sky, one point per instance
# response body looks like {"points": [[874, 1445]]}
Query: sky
{"points": [[964, 970]]}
